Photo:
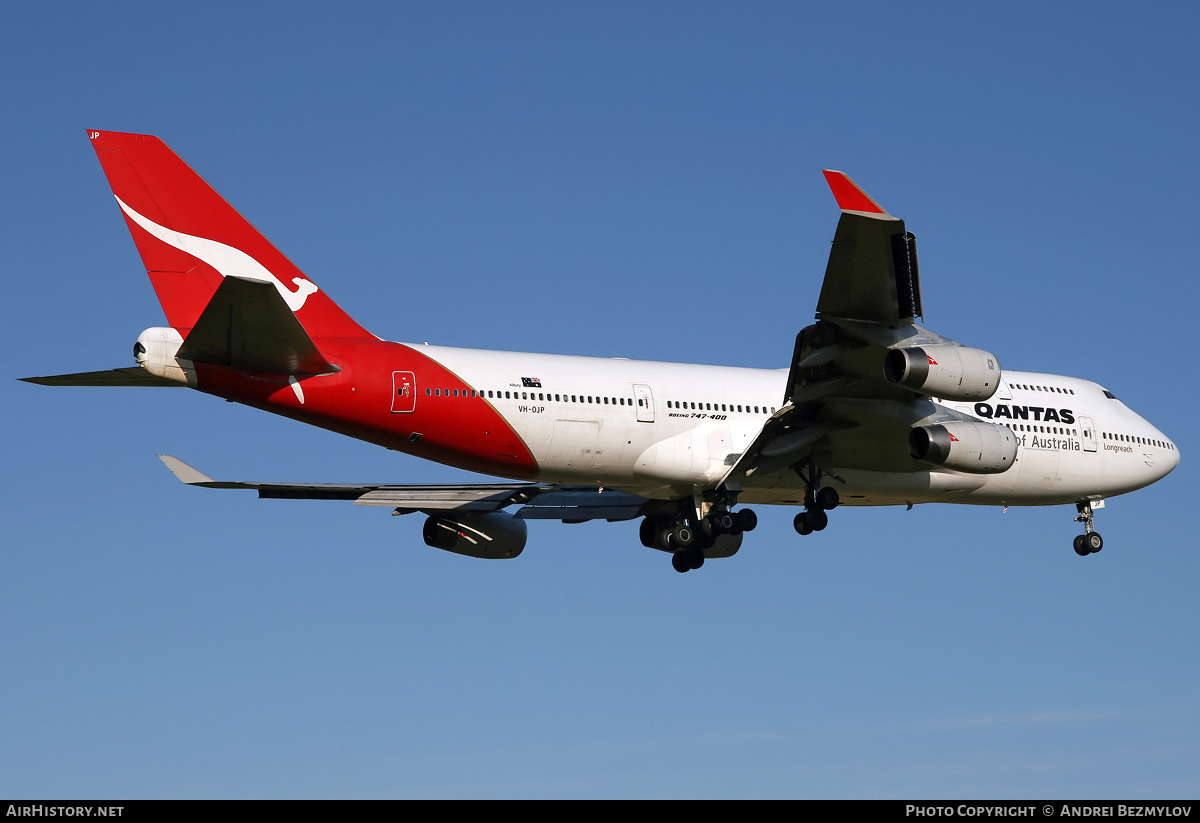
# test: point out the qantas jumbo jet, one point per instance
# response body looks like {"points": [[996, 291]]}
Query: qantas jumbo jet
{"points": [[872, 410]]}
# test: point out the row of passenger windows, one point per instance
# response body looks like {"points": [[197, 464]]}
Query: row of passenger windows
{"points": [[1025, 427], [1123, 438], [1055, 389], [1142, 441], [542, 396], [722, 407], [593, 399]]}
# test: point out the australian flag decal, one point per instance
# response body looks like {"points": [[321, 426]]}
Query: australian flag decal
{"points": [[531, 382]]}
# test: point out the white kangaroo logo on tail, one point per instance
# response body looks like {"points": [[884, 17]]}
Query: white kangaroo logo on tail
{"points": [[227, 260]]}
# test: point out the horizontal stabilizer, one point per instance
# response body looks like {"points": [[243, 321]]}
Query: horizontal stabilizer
{"points": [[132, 376], [247, 325]]}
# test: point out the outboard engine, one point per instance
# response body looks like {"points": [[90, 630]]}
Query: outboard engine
{"points": [[949, 372], [494, 535]]}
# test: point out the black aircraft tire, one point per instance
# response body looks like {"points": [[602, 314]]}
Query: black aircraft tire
{"points": [[747, 519], [683, 535], [818, 520], [827, 498]]}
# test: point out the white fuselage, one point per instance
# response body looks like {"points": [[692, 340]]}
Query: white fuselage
{"points": [[665, 429]]}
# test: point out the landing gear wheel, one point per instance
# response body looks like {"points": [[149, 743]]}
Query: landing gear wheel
{"points": [[694, 557], [818, 520], [827, 498], [683, 535], [1090, 541], [679, 562], [800, 524], [724, 523], [648, 533], [747, 519]]}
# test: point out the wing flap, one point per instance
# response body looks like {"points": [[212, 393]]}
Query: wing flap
{"points": [[582, 504], [487, 497]]}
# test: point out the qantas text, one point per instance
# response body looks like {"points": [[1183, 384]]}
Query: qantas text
{"points": [[1037, 413]]}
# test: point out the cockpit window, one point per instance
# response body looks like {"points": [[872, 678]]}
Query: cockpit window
{"points": [[1109, 394]]}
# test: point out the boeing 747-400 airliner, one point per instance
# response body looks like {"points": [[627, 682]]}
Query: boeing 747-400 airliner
{"points": [[871, 410]]}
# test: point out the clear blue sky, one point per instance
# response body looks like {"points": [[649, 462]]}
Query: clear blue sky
{"points": [[611, 179]]}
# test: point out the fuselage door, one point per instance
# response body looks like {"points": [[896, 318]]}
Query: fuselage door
{"points": [[404, 392], [1087, 431], [645, 402]]}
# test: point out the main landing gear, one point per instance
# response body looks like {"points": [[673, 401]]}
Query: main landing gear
{"points": [[817, 501], [687, 536], [1090, 541]]}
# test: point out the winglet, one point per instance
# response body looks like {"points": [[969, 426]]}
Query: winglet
{"points": [[849, 196], [184, 472]]}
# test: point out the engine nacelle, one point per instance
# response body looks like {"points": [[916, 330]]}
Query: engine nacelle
{"points": [[949, 372], [494, 535], [155, 352], [978, 448]]}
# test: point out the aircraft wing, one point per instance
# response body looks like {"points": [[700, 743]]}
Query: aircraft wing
{"points": [[838, 399], [872, 271], [539, 501]]}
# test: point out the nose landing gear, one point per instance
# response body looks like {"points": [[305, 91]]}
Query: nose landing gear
{"points": [[1090, 541]]}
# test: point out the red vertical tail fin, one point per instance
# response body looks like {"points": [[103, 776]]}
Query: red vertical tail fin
{"points": [[190, 238]]}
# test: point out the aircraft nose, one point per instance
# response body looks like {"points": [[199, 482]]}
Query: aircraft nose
{"points": [[1172, 458]]}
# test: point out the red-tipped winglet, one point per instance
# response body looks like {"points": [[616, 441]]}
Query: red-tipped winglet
{"points": [[848, 195]]}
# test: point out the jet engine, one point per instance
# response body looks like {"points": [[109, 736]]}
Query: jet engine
{"points": [[949, 372], [978, 448], [492, 535]]}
